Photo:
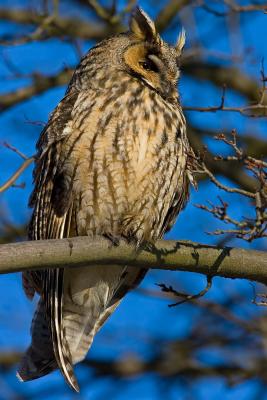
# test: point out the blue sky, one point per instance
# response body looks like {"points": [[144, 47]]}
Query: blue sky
{"points": [[140, 320]]}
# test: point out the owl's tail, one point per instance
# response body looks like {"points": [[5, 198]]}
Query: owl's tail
{"points": [[39, 358], [91, 294], [94, 294]]}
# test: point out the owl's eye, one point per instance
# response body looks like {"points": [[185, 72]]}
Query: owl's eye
{"points": [[149, 65]]}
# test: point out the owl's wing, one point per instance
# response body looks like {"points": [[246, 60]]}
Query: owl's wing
{"points": [[182, 194], [179, 202], [52, 215]]}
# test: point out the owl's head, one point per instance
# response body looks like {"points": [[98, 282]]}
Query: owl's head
{"points": [[149, 58], [140, 52]]}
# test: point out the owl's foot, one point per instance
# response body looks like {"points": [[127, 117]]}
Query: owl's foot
{"points": [[115, 240]]}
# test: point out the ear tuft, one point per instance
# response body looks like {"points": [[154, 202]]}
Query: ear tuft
{"points": [[180, 41], [142, 26]]}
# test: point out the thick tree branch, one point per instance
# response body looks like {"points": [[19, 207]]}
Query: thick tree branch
{"points": [[168, 12], [219, 75], [170, 255], [56, 26], [40, 83]]}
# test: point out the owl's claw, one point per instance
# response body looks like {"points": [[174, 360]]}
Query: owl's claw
{"points": [[115, 240]]}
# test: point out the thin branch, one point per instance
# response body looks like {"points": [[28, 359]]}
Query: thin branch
{"points": [[259, 107], [248, 8], [233, 171], [261, 110], [248, 228], [186, 297], [221, 76], [224, 187], [235, 8], [10, 182], [15, 150]]}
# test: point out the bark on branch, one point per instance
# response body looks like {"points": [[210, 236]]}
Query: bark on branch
{"points": [[169, 255]]}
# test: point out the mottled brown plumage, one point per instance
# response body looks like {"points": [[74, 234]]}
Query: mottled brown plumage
{"points": [[112, 161]]}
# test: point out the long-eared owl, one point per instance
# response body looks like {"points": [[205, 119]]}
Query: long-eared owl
{"points": [[112, 161]]}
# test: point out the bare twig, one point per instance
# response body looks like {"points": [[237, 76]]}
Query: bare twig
{"points": [[248, 8], [248, 228], [15, 150], [260, 107], [186, 297], [224, 187], [234, 8], [16, 175], [232, 78]]}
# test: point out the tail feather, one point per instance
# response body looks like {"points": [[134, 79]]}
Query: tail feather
{"points": [[54, 305], [39, 359], [88, 304], [87, 293], [34, 366]]}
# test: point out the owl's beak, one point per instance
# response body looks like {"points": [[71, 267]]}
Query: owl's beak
{"points": [[167, 89]]}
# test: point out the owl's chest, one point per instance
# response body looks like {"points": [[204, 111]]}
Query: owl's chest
{"points": [[143, 130], [131, 127], [126, 160]]}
